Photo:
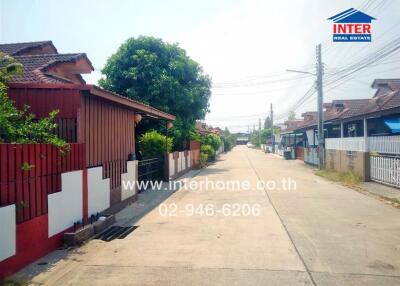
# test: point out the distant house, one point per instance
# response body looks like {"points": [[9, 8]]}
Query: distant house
{"points": [[376, 115], [355, 127], [289, 137], [203, 129]]}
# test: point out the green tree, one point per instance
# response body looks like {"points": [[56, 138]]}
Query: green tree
{"points": [[181, 132], [267, 123], [162, 75], [211, 139], [228, 139], [265, 135]]}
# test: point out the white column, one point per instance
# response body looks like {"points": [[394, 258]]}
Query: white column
{"points": [[341, 130]]}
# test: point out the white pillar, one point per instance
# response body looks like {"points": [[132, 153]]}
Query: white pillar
{"points": [[341, 130]]}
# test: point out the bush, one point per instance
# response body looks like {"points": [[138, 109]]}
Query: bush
{"points": [[203, 159], [209, 150], [152, 145], [228, 139], [229, 142], [211, 139]]}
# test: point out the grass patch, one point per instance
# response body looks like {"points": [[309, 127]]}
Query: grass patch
{"points": [[346, 178]]}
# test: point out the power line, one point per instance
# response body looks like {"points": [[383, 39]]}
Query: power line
{"points": [[258, 83], [258, 91]]}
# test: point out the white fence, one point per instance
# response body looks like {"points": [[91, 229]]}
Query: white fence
{"points": [[385, 170], [385, 144], [346, 144], [178, 163], [380, 144]]}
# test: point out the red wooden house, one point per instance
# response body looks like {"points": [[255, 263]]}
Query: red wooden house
{"points": [[100, 123], [103, 120]]}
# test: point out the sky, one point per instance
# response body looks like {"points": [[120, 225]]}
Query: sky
{"points": [[246, 46]]}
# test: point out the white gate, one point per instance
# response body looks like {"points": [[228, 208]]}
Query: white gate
{"points": [[386, 170]]}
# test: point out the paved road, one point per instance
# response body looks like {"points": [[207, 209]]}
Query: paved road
{"points": [[319, 234]]}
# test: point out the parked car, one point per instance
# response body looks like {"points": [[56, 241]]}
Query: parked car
{"points": [[249, 145]]}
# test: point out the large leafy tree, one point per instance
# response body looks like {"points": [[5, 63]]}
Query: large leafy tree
{"points": [[162, 75]]}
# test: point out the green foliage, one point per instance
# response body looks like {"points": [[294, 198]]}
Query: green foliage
{"points": [[26, 166], [21, 126], [346, 178], [181, 132], [266, 134], [203, 159], [256, 140], [209, 151], [267, 123], [228, 139], [162, 75], [8, 68], [153, 144], [211, 139]]}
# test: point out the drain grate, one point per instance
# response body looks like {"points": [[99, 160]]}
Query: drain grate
{"points": [[115, 232]]}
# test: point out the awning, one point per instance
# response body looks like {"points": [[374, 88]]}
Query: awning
{"points": [[393, 124]]}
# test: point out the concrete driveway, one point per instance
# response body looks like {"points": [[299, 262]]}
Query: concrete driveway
{"points": [[317, 234]]}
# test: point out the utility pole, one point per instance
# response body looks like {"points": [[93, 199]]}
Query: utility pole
{"points": [[272, 128], [259, 131], [319, 74], [321, 139]]}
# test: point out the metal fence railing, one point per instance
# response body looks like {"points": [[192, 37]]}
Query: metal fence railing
{"points": [[384, 144], [386, 170]]}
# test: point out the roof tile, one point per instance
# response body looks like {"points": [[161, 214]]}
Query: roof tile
{"points": [[17, 48], [34, 67]]}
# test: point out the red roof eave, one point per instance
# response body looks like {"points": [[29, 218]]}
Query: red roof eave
{"points": [[147, 109], [97, 91]]}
